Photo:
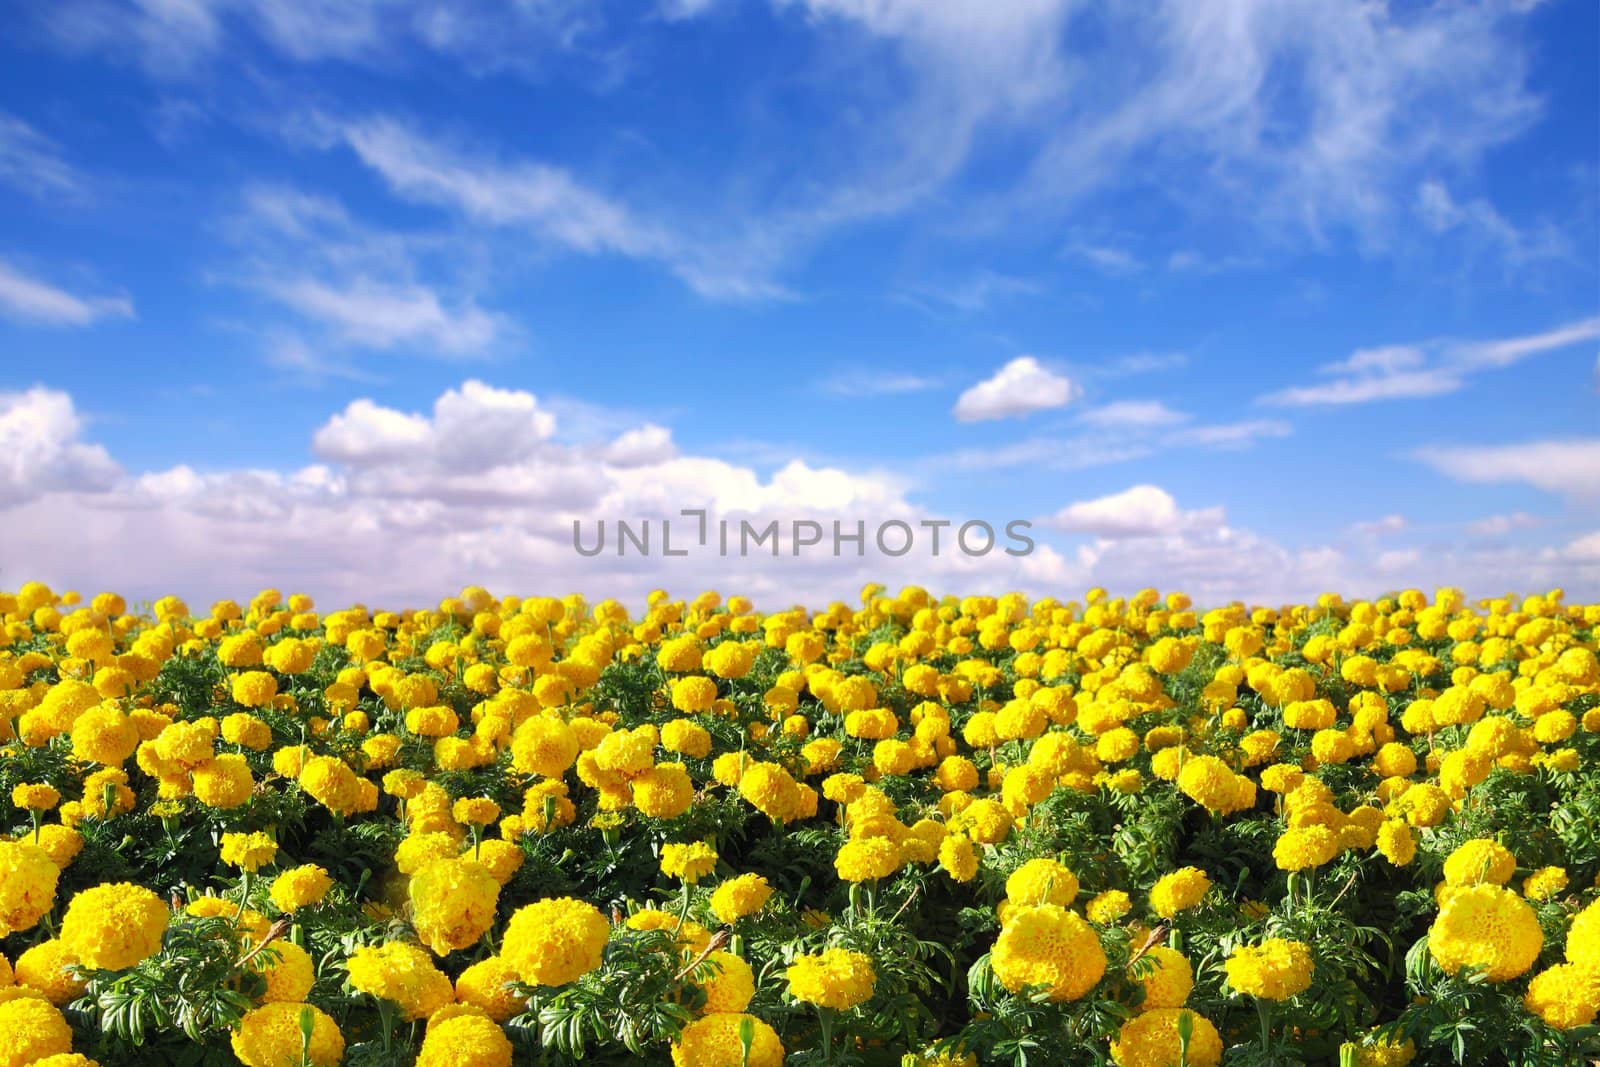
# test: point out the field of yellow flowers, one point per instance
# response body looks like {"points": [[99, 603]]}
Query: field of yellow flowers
{"points": [[914, 831]]}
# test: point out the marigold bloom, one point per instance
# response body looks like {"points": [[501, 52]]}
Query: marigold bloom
{"points": [[836, 978], [1485, 926], [556, 941], [1276, 969], [270, 1036], [1048, 946], [113, 926], [1151, 1039]]}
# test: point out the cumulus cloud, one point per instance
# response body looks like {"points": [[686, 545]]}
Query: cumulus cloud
{"points": [[1020, 388], [41, 450], [402, 507], [1139, 511]]}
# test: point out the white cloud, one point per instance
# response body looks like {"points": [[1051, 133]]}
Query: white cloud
{"points": [[641, 447], [1229, 435], [878, 383], [1585, 548], [1389, 524], [1433, 368], [33, 163], [378, 315], [40, 450], [1140, 511], [1020, 388], [1569, 467], [405, 507], [174, 39], [1480, 220], [30, 299], [550, 203], [1108, 259], [1133, 413], [355, 286], [1499, 525]]}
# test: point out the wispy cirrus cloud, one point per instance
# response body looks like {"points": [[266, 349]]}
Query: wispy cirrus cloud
{"points": [[33, 163], [357, 287], [1425, 369], [31, 299], [1570, 467]]}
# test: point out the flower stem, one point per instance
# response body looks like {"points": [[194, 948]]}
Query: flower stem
{"points": [[825, 1017], [1265, 1013]]}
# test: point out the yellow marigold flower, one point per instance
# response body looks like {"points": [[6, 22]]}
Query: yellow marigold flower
{"points": [[254, 689], [453, 903], [1565, 996], [686, 738], [1583, 936], [1276, 969], [271, 1036], [44, 967], [485, 985], [1179, 891], [688, 862], [290, 972], [732, 985], [112, 926], [738, 897], [35, 796], [475, 811], [104, 735], [248, 852], [1048, 946], [1396, 842], [665, 791], [556, 941], [1479, 861], [61, 843], [1375, 1052], [1300, 847], [1485, 926], [432, 720], [32, 1029], [402, 973], [1151, 1039], [418, 850], [1042, 881], [1106, 908], [465, 1039], [224, 782], [1213, 785], [867, 859], [1167, 979], [713, 1041], [300, 887], [693, 693], [986, 821], [836, 978], [545, 746], [331, 782], [958, 858]]}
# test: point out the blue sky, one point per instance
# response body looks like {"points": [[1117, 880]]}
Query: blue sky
{"points": [[1270, 297]]}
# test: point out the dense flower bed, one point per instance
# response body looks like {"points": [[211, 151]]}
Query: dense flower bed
{"points": [[918, 830]]}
